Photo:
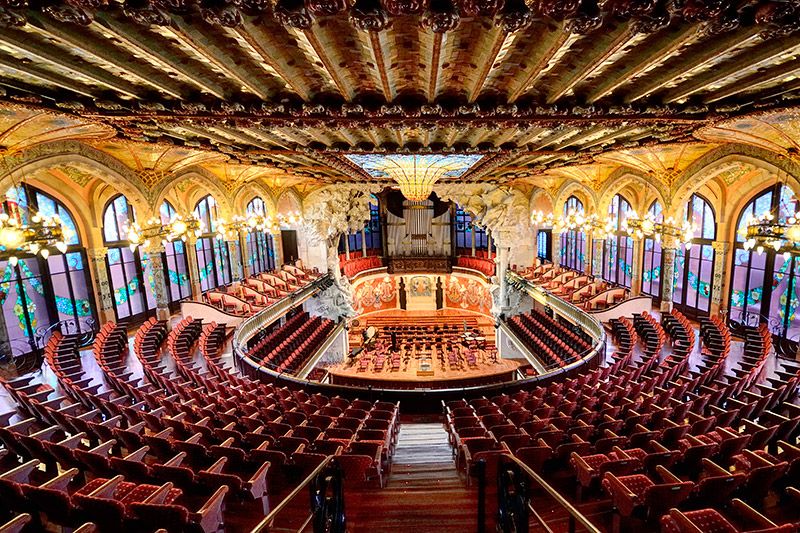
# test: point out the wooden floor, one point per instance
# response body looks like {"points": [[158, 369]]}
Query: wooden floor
{"points": [[424, 494]]}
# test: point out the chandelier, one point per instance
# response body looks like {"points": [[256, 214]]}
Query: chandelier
{"points": [[764, 231], [415, 175], [178, 228], [575, 220], [229, 231], [648, 226], [37, 236]]}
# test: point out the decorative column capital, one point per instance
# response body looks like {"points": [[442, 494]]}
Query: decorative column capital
{"points": [[721, 247], [95, 254], [670, 243]]}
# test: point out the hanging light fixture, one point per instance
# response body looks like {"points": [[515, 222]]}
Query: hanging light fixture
{"points": [[767, 231], [38, 234], [648, 226], [575, 220], [178, 228]]}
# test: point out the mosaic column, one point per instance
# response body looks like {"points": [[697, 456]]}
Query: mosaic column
{"points": [[555, 241], [105, 301], [347, 247], [597, 258], [472, 234], [246, 269], [721, 258], [194, 270], [503, 239], [636, 268], [668, 249], [5, 344], [159, 287], [236, 261]]}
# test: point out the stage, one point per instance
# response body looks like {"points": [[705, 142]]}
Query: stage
{"points": [[433, 349]]}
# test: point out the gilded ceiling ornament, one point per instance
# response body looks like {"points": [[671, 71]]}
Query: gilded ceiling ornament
{"points": [[150, 177]]}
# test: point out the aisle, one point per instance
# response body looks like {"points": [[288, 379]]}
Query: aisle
{"points": [[424, 492]]}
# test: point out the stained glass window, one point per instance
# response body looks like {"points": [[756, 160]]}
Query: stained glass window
{"points": [[213, 260], [618, 249], [37, 293], [651, 264], [543, 244], [176, 263], [573, 243], [129, 272], [694, 267], [764, 287], [260, 247]]}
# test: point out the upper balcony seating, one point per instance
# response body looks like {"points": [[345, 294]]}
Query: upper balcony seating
{"points": [[358, 264], [480, 263]]}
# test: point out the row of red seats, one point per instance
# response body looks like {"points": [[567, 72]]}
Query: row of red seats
{"points": [[482, 265], [360, 264]]}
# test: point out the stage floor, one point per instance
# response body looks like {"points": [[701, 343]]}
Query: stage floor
{"points": [[421, 365]]}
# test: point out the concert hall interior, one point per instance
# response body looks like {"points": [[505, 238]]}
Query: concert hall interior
{"points": [[378, 266]]}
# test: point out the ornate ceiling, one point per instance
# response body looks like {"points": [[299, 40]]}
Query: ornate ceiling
{"points": [[281, 91]]}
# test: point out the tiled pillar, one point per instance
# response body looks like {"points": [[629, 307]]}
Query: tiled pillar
{"points": [[194, 268], [667, 276], [246, 270], [159, 287], [555, 239], [236, 261], [636, 268], [720, 283], [105, 302], [278, 243]]}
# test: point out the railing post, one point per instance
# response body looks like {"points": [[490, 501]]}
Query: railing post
{"points": [[480, 472]]}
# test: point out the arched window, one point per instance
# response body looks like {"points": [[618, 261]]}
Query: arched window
{"points": [[371, 234], [129, 272], [213, 260], [36, 292], [573, 243], [467, 233], [618, 248], [694, 267], [175, 261], [260, 245], [764, 287], [651, 264]]}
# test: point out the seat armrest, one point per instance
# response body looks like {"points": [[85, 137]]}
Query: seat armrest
{"points": [[160, 495], [177, 460], [61, 481], [107, 489], [21, 474], [138, 455], [104, 448], [73, 441], [209, 516]]}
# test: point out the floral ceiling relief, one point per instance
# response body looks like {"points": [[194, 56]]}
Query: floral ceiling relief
{"points": [[778, 132], [21, 129]]}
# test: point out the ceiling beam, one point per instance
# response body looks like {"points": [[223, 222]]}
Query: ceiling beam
{"points": [[436, 65], [550, 46], [652, 54], [376, 46], [132, 40], [753, 81], [104, 52], [499, 38], [57, 57], [201, 46], [254, 36], [760, 55], [702, 54], [330, 68], [49, 78], [611, 43]]}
